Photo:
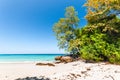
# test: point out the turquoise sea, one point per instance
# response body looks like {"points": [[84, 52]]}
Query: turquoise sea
{"points": [[27, 57]]}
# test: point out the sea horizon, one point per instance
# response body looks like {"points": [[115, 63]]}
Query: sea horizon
{"points": [[8, 58], [32, 53]]}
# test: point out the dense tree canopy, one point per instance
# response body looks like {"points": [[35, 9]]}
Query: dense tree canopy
{"points": [[99, 40], [101, 36]]}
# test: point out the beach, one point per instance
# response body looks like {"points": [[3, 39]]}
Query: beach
{"points": [[78, 70]]}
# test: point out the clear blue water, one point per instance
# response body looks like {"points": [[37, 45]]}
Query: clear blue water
{"points": [[27, 57]]}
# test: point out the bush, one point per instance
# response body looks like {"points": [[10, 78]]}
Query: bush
{"points": [[99, 46]]}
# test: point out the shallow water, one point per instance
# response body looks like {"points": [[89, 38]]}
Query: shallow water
{"points": [[27, 57]]}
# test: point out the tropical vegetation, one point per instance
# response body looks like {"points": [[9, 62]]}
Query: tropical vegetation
{"points": [[99, 39]]}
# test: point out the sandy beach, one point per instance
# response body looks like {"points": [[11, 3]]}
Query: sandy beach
{"points": [[70, 71]]}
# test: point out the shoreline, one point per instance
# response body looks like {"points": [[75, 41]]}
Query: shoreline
{"points": [[25, 62], [77, 70]]}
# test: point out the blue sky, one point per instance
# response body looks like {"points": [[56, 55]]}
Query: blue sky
{"points": [[26, 25]]}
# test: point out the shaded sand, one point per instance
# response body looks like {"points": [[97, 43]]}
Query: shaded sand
{"points": [[70, 71]]}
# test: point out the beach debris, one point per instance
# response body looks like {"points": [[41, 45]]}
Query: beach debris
{"points": [[57, 62], [45, 64], [109, 77], [83, 72], [72, 74], [88, 69], [117, 71], [69, 76]]}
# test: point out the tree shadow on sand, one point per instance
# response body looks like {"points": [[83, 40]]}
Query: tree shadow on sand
{"points": [[34, 78]]}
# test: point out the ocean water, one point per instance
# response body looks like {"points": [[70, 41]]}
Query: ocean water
{"points": [[27, 57]]}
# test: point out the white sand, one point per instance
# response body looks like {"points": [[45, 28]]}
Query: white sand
{"points": [[71, 71]]}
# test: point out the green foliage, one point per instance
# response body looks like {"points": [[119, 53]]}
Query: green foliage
{"points": [[65, 28], [101, 37], [99, 40], [99, 46]]}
